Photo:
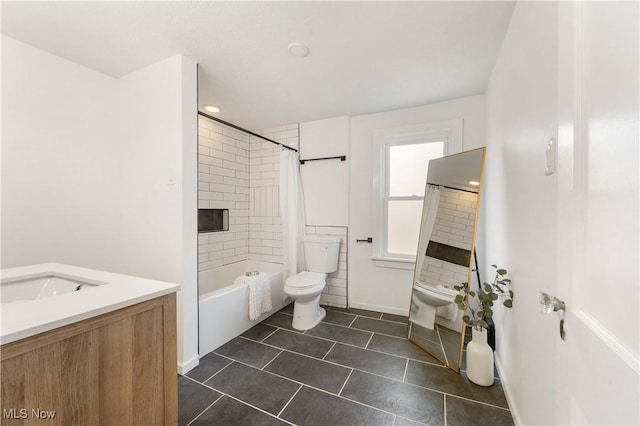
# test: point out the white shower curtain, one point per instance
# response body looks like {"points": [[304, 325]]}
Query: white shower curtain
{"points": [[429, 212], [292, 212]]}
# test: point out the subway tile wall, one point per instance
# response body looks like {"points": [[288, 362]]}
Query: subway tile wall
{"points": [[335, 292], [453, 226], [265, 228], [455, 218], [223, 183], [241, 173]]}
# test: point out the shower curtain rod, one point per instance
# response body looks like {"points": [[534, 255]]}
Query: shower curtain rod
{"points": [[450, 187], [226, 123]]}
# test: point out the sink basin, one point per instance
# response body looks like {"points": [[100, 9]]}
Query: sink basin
{"points": [[39, 287]]}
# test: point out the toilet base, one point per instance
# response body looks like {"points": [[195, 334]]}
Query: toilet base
{"points": [[424, 315], [307, 314]]}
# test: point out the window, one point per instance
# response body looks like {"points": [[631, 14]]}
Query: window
{"points": [[399, 183], [406, 175]]}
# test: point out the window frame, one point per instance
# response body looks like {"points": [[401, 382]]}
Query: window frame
{"points": [[449, 132]]}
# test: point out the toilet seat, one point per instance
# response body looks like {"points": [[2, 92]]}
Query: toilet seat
{"points": [[440, 289], [306, 280]]}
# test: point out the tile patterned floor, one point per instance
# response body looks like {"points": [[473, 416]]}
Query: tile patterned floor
{"points": [[354, 368]]}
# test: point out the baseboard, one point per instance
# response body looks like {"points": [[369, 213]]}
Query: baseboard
{"points": [[379, 308], [185, 367], [506, 387]]}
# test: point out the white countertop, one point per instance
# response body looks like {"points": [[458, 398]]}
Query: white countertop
{"points": [[25, 319]]}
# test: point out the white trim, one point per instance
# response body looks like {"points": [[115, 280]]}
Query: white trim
{"points": [[449, 131], [394, 263], [506, 387], [185, 367], [610, 340], [380, 308]]}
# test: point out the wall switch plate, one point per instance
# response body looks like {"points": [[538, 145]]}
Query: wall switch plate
{"points": [[550, 158], [171, 179]]}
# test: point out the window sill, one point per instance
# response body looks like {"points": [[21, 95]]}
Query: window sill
{"points": [[394, 263]]}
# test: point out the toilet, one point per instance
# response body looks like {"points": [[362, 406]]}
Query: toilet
{"points": [[426, 299], [321, 257]]}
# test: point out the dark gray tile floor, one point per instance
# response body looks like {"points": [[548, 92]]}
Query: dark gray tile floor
{"points": [[354, 368]]}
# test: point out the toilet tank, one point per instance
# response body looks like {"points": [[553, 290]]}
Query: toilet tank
{"points": [[321, 253]]}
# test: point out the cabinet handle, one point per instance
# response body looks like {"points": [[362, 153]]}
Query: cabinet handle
{"points": [[368, 240]]}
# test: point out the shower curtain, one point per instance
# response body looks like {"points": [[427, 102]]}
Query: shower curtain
{"points": [[291, 212], [429, 212]]}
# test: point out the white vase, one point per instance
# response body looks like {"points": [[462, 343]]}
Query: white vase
{"points": [[479, 358]]}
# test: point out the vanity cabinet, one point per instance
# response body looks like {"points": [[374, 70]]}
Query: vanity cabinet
{"points": [[118, 368]]}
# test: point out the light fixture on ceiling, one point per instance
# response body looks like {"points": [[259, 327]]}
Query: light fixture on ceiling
{"points": [[298, 49], [211, 108], [474, 183]]}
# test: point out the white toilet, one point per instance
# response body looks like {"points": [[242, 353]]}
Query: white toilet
{"points": [[321, 257], [427, 298]]}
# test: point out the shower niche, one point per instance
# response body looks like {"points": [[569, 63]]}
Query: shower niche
{"points": [[213, 220]]}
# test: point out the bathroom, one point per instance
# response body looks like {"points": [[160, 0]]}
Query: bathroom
{"points": [[103, 149]]}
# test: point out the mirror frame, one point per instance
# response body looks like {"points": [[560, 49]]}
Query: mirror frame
{"points": [[470, 268]]}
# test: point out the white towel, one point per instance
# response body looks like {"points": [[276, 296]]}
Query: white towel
{"points": [[448, 312], [259, 294]]}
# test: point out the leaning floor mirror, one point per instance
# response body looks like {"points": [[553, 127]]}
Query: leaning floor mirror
{"points": [[445, 254]]}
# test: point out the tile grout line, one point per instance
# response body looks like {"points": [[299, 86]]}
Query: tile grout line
{"points": [[332, 346], [369, 341], [335, 342], [406, 367], [272, 359], [476, 401], [213, 375], [296, 382], [266, 337], [345, 383], [351, 323], [203, 411], [350, 344], [446, 359], [288, 402], [444, 413], [357, 369], [245, 403]]}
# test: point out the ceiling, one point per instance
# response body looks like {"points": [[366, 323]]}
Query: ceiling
{"points": [[365, 56]]}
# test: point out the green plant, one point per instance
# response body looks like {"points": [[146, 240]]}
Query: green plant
{"points": [[485, 296]]}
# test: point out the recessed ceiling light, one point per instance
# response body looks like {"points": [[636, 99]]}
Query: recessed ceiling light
{"points": [[298, 49], [474, 183], [211, 108]]}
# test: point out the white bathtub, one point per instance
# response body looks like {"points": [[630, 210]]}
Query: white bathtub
{"points": [[224, 306]]}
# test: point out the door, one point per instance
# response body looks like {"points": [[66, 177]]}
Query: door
{"points": [[598, 375]]}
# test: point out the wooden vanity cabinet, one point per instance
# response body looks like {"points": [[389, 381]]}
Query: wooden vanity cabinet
{"points": [[117, 368]]}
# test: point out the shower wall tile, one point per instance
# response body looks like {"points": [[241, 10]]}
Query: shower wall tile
{"points": [[453, 227], [265, 226], [223, 183], [335, 292], [455, 218]]}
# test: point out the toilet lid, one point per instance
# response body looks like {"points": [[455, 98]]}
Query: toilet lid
{"points": [[305, 279]]}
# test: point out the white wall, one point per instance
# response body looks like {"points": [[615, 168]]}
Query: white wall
{"points": [[86, 165], [519, 204], [370, 286], [60, 178], [326, 182], [158, 167]]}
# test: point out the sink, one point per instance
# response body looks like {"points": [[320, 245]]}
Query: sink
{"points": [[39, 287]]}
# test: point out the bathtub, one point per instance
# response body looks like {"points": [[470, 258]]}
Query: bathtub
{"points": [[224, 306]]}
